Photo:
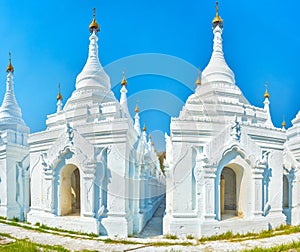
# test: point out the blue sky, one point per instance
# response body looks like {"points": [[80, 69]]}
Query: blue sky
{"points": [[159, 43]]}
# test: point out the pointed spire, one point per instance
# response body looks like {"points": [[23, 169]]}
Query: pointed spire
{"points": [[123, 98], [59, 96], [266, 94], [137, 125], [59, 100], [10, 67], [144, 134], [217, 21], [94, 26], [137, 108], [93, 74], [144, 128], [10, 112], [217, 69], [124, 81], [267, 107], [150, 142], [283, 124], [198, 81]]}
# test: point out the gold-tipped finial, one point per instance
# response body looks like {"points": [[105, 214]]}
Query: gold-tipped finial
{"points": [[9, 68], [217, 19], [198, 81], [137, 109], [144, 128], [283, 124], [124, 81], [94, 25], [59, 96], [266, 94]]}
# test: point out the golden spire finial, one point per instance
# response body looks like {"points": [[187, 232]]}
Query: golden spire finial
{"points": [[9, 68], [283, 124], [94, 27], [144, 128], [198, 81], [59, 96], [217, 19], [137, 109], [267, 95], [124, 81]]}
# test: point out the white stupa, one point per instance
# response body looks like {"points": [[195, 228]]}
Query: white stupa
{"points": [[14, 155], [86, 163], [220, 154]]}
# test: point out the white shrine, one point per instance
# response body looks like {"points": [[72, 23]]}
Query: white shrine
{"points": [[228, 168], [94, 170]]}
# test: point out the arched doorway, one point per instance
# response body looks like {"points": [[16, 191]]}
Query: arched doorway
{"points": [[286, 198], [69, 191], [228, 193]]}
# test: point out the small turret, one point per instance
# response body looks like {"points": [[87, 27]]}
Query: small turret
{"points": [[124, 81], [137, 109], [267, 107], [198, 81], [144, 128], [59, 96], [137, 125], [123, 98], [59, 100], [283, 124], [10, 112], [266, 94]]}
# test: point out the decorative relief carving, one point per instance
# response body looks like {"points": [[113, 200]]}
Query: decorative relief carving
{"points": [[201, 162], [69, 142], [236, 130], [289, 162], [263, 162], [70, 133], [45, 163]]}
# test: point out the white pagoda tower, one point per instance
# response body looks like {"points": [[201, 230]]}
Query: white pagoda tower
{"points": [[224, 158], [14, 155], [85, 171]]}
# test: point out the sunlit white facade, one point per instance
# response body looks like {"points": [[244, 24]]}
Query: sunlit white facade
{"points": [[228, 168], [94, 170]]}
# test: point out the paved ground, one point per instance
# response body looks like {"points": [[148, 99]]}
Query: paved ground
{"points": [[155, 226], [153, 232], [77, 244]]}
